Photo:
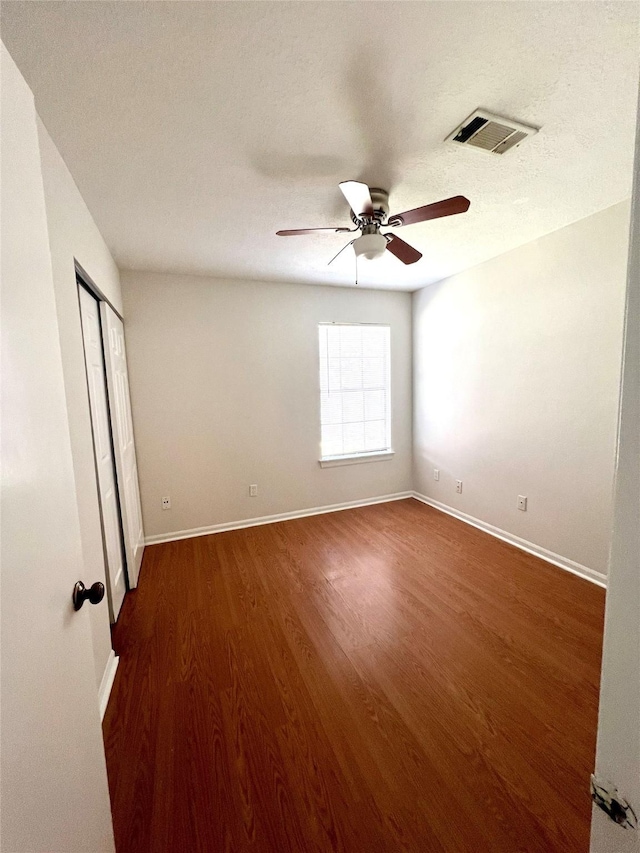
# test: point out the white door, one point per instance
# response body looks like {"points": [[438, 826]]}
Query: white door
{"points": [[122, 428], [103, 448], [618, 752], [53, 780]]}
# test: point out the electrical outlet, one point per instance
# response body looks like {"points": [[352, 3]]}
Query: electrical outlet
{"points": [[253, 491], [459, 486], [436, 473], [522, 503], [166, 503]]}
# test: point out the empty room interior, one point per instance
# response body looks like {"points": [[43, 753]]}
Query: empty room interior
{"points": [[320, 341]]}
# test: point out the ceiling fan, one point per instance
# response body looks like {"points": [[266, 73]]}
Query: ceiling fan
{"points": [[369, 209]]}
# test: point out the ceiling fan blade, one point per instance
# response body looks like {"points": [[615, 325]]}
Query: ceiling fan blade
{"points": [[447, 207], [294, 231], [358, 196], [341, 251], [403, 251]]}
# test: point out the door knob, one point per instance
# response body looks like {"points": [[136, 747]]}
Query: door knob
{"points": [[94, 594]]}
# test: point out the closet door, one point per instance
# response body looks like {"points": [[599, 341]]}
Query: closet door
{"points": [[122, 428], [109, 508]]}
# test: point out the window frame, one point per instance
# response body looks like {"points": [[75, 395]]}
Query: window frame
{"points": [[365, 455]]}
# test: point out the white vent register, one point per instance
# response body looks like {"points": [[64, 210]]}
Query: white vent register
{"points": [[491, 133], [355, 405]]}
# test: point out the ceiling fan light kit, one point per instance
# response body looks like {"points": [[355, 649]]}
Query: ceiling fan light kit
{"points": [[369, 209], [370, 246]]}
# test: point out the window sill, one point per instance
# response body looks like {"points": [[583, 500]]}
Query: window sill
{"points": [[334, 461]]}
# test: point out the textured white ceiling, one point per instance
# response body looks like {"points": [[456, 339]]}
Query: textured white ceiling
{"points": [[195, 130]]}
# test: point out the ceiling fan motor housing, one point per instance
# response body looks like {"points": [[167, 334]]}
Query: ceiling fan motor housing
{"points": [[380, 199]]}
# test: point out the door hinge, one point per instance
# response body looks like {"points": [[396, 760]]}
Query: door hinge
{"points": [[606, 796]]}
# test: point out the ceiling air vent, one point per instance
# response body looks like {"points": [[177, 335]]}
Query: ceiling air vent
{"points": [[494, 134]]}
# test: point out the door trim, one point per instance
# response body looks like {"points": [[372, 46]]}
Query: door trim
{"points": [[83, 278]]}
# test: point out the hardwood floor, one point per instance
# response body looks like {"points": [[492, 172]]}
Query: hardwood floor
{"points": [[379, 679]]}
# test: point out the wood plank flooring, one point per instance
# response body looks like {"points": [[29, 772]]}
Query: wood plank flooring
{"points": [[379, 679]]}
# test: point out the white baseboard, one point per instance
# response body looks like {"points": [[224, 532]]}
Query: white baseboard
{"points": [[107, 682], [270, 519], [537, 551]]}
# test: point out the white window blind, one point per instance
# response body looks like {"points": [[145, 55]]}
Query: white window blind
{"points": [[355, 403]]}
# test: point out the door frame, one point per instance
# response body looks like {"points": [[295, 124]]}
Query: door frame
{"points": [[83, 277]]}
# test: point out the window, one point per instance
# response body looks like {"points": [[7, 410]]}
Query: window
{"points": [[355, 403]]}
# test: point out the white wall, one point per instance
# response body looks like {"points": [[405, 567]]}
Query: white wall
{"points": [[516, 370], [73, 234], [224, 386]]}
